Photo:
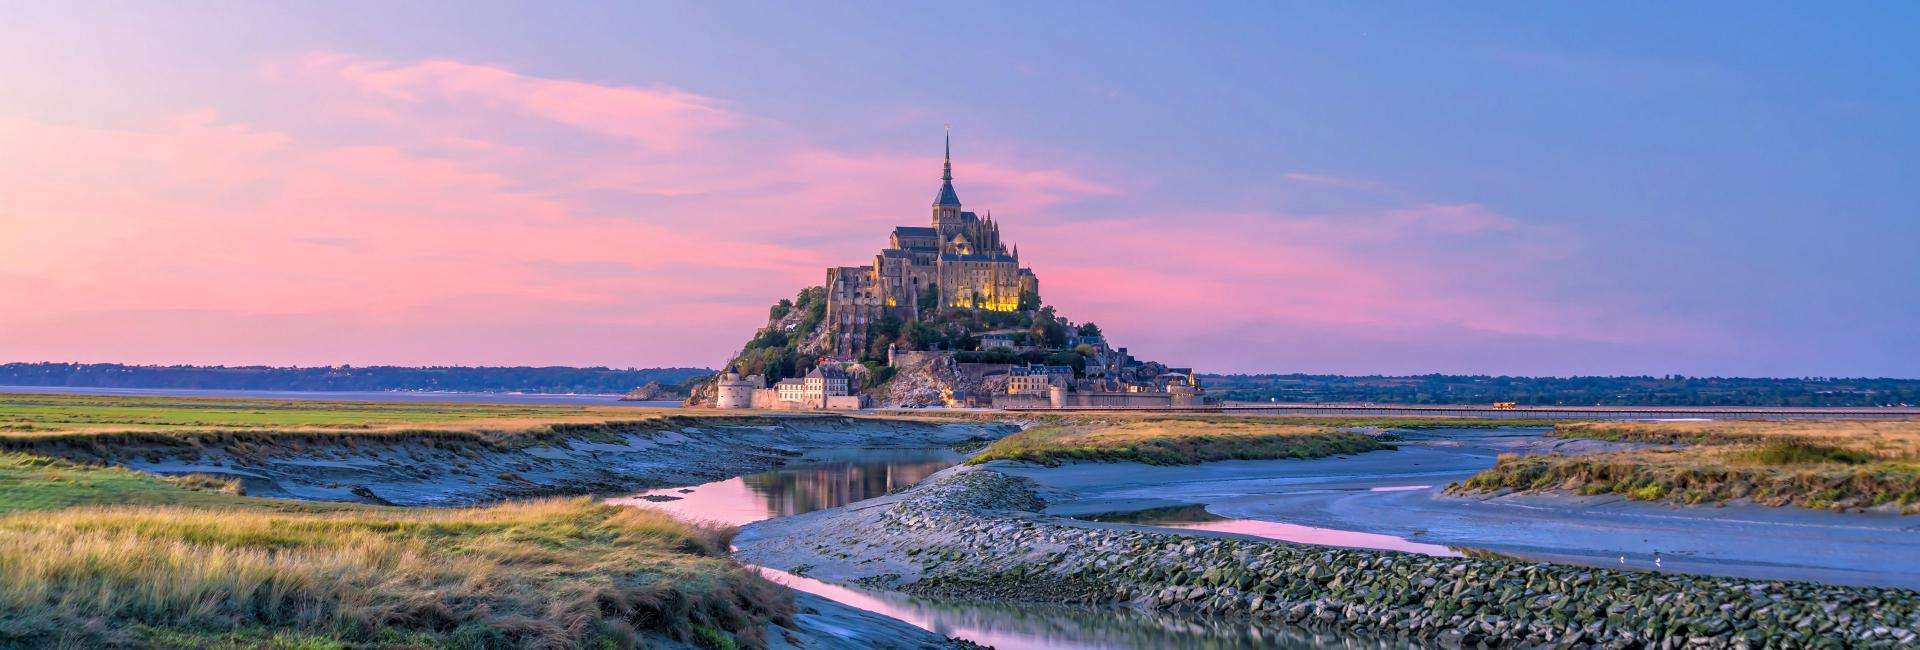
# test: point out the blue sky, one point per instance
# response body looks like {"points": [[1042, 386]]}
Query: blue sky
{"points": [[1708, 188]]}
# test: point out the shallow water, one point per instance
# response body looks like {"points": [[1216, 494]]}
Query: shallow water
{"points": [[1028, 625], [1196, 517], [819, 484], [812, 485], [1376, 496]]}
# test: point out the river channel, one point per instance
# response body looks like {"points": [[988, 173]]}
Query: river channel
{"points": [[857, 475]]}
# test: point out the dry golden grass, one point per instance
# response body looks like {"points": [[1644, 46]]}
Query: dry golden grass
{"points": [[561, 573], [1887, 438], [1176, 441], [1819, 464]]}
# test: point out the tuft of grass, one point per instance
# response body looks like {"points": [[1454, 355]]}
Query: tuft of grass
{"points": [[209, 483], [1176, 441], [1801, 452], [1838, 465]]}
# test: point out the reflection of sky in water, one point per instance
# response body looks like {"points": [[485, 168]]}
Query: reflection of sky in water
{"points": [[794, 490], [827, 484], [1313, 535], [1039, 626], [1196, 517]]}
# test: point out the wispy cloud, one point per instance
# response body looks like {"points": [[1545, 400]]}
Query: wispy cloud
{"points": [[449, 212]]}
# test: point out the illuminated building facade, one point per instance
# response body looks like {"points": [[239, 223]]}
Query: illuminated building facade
{"points": [[959, 261]]}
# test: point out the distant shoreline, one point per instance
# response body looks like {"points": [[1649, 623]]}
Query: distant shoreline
{"points": [[611, 399]]}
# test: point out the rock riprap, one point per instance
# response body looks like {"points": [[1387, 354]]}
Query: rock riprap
{"points": [[974, 534]]}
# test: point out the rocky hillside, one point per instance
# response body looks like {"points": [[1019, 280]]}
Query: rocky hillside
{"points": [[794, 339]]}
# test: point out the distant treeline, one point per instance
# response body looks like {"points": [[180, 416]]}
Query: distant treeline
{"points": [[551, 379], [1673, 390]]}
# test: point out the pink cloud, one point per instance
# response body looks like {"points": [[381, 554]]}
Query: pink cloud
{"points": [[449, 212], [661, 118]]}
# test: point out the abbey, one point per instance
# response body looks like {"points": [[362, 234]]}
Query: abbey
{"points": [[958, 262]]}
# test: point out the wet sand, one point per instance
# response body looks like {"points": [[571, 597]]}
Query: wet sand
{"points": [[1343, 495]]}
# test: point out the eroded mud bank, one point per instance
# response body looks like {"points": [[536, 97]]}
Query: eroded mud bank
{"points": [[447, 468]]}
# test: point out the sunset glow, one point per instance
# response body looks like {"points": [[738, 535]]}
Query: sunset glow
{"points": [[324, 200]]}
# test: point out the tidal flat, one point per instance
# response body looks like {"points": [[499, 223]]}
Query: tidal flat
{"points": [[1313, 531], [159, 522]]}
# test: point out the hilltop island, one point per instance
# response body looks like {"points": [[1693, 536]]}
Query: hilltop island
{"points": [[945, 315]]}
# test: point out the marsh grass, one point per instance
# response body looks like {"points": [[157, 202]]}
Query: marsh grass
{"points": [[35, 415], [1175, 441], [1832, 464], [1111, 417], [1800, 452], [39, 483], [93, 554], [556, 573]]}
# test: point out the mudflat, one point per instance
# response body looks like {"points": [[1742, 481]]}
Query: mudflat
{"points": [[1401, 494]]}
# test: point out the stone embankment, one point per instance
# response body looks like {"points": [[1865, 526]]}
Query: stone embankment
{"points": [[973, 534]]}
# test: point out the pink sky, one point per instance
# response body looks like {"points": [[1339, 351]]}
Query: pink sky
{"points": [[445, 212]]}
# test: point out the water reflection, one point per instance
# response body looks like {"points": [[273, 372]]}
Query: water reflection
{"points": [[1196, 517], [828, 483], [814, 485], [1039, 626]]}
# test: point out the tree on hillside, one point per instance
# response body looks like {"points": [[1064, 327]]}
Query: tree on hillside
{"points": [[1029, 300], [929, 300]]}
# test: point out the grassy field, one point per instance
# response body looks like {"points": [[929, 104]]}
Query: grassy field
{"points": [[26, 414], [1822, 464], [1098, 417], [93, 556], [1176, 441]]}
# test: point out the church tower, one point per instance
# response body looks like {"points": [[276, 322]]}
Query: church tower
{"points": [[946, 204]]}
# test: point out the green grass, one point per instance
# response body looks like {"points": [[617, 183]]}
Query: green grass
{"points": [[27, 414], [39, 483], [1800, 452], [96, 555], [1175, 441]]}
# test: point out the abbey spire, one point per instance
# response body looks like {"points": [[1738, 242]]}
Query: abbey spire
{"points": [[946, 204], [946, 195]]}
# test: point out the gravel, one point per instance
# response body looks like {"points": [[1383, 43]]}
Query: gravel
{"points": [[972, 533]]}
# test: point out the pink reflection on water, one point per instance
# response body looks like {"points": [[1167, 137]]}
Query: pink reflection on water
{"points": [[935, 620], [1313, 535], [755, 497], [729, 503]]}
